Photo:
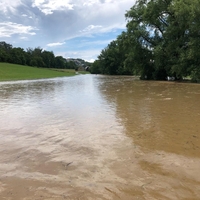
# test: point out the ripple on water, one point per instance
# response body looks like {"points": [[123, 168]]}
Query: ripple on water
{"points": [[99, 137]]}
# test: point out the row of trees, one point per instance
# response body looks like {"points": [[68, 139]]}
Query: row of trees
{"points": [[36, 57], [162, 39]]}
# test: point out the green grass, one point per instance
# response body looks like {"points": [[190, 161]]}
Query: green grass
{"points": [[19, 72], [83, 72]]}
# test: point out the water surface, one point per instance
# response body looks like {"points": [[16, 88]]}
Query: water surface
{"points": [[99, 137]]}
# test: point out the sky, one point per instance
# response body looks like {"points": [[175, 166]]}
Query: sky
{"points": [[69, 28]]}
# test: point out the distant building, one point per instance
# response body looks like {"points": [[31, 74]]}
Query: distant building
{"points": [[79, 63], [81, 68]]}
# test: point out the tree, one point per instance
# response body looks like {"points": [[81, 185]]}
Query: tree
{"points": [[60, 62], [36, 57], [17, 56], [71, 65], [111, 59], [147, 24], [5, 49], [3, 55], [37, 61], [187, 13], [48, 59], [162, 39], [96, 67]]}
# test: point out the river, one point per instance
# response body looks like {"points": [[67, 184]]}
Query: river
{"points": [[99, 137]]}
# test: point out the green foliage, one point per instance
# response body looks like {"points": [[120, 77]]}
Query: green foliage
{"points": [[48, 59], [195, 75], [36, 57], [60, 62], [96, 67], [162, 39]]}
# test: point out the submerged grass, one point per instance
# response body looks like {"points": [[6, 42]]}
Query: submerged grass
{"points": [[83, 72], [10, 72]]}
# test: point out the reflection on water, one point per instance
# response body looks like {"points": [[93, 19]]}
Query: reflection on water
{"points": [[99, 137], [155, 114]]}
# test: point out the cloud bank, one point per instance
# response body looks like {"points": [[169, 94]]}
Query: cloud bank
{"points": [[66, 27]]}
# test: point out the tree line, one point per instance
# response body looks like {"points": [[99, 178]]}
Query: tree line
{"points": [[162, 38], [36, 57]]}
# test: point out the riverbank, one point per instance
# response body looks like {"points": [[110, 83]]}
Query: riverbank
{"points": [[9, 72]]}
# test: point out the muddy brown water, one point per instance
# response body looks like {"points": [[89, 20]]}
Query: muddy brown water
{"points": [[99, 137]]}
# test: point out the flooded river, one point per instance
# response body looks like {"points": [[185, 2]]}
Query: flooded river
{"points": [[99, 137]]}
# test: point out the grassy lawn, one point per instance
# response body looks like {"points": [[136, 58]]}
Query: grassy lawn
{"points": [[76, 72], [20, 72], [83, 72]]}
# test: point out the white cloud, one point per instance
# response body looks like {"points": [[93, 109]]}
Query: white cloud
{"points": [[87, 55], [55, 44], [24, 38], [90, 2], [50, 21], [49, 6], [106, 15], [91, 28], [87, 43], [7, 29], [9, 5]]}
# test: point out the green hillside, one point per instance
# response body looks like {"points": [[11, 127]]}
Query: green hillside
{"points": [[20, 72]]}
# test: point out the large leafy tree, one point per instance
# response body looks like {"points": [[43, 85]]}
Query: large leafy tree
{"points": [[146, 27], [162, 39], [109, 59], [170, 30], [187, 13]]}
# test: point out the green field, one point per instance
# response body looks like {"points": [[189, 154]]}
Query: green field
{"points": [[19, 72]]}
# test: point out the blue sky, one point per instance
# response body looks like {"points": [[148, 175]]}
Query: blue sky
{"points": [[70, 28]]}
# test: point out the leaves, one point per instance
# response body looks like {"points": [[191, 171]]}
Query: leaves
{"points": [[162, 39], [36, 57]]}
